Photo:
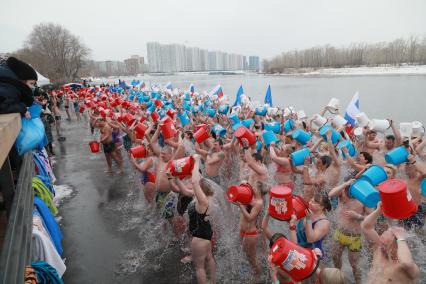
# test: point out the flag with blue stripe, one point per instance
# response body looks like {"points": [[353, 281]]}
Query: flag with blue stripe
{"points": [[352, 110]]}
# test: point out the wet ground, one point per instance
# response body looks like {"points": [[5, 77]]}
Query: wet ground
{"points": [[101, 221]]}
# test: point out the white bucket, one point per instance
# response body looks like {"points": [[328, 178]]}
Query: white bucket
{"points": [[339, 121], [358, 133], [236, 109], [406, 128], [272, 111], [418, 128], [287, 112], [379, 125], [301, 115], [333, 105], [319, 120], [362, 119]]}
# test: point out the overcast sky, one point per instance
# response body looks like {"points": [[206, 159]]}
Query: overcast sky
{"points": [[114, 30]]}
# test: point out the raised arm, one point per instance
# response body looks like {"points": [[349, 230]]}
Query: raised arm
{"points": [[405, 258], [398, 139], [202, 200], [265, 226], [368, 224], [321, 230], [259, 169], [279, 160], [250, 217], [336, 191]]}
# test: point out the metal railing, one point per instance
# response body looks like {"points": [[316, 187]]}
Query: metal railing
{"points": [[16, 250]]}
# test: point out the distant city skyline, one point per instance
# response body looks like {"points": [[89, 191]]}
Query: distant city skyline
{"points": [[180, 58]]}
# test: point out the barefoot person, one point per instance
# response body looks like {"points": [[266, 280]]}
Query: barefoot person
{"points": [[200, 227], [109, 146], [249, 229], [392, 259], [349, 214]]}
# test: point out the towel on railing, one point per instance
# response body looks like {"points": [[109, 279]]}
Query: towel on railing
{"points": [[49, 222], [44, 194], [46, 273]]}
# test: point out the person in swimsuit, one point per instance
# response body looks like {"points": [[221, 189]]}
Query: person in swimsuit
{"points": [[147, 169], [249, 229], [76, 106], [200, 228], [349, 214], [284, 171], [311, 230], [109, 146], [67, 105]]}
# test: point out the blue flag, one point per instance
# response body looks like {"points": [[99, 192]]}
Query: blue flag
{"points": [[192, 88], [352, 110], [238, 97], [268, 96]]}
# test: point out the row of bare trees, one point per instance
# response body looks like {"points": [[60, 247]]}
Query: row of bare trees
{"points": [[54, 52], [397, 52]]}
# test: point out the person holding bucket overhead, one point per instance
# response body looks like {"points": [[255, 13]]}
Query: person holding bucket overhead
{"points": [[213, 160], [199, 226], [392, 259], [147, 169], [109, 147], [250, 229], [349, 215]]}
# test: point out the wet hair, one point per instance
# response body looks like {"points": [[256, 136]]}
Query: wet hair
{"points": [[390, 137], [325, 160], [323, 200], [367, 157], [206, 187], [332, 275], [274, 238], [392, 168]]}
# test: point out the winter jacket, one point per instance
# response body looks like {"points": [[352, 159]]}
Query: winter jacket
{"points": [[15, 96]]}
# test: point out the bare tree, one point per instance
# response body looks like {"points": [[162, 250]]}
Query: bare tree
{"points": [[55, 52]]}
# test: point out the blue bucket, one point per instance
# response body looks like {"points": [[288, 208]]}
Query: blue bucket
{"points": [[397, 156], [184, 119], [162, 113], [298, 157], [151, 109], [301, 136], [347, 144], [423, 187], [234, 119], [365, 193], [269, 137], [219, 130], [248, 122], [374, 175], [288, 125], [146, 98], [335, 136], [149, 104], [273, 126], [186, 105], [211, 112], [236, 126], [223, 109], [261, 111]]}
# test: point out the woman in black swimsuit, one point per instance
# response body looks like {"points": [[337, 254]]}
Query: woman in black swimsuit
{"points": [[200, 227]]}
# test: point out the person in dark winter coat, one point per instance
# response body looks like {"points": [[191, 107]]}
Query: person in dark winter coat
{"points": [[17, 80]]}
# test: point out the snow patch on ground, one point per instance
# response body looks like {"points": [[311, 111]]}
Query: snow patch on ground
{"points": [[61, 192]]}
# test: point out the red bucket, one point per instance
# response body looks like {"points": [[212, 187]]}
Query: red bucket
{"points": [[197, 127], [242, 193], [81, 109], [397, 202], [201, 134], [280, 203], [94, 146], [171, 113], [166, 120], [299, 207], [244, 134], [140, 130], [129, 119], [298, 262], [158, 103], [138, 151], [181, 167], [168, 130], [154, 116]]}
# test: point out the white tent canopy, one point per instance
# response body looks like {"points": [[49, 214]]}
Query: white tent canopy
{"points": [[42, 80]]}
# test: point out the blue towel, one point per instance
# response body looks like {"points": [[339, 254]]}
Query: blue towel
{"points": [[51, 224], [46, 273]]}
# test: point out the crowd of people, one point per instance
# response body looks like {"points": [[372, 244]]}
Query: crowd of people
{"points": [[167, 123], [162, 132]]}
